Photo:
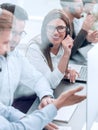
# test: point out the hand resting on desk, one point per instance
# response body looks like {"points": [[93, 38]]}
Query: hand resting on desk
{"points": [[71, 75]]}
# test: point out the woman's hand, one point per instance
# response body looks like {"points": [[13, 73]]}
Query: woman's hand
{"points": [[92, 36], [71, 74], [88, 22], [67, 44]]}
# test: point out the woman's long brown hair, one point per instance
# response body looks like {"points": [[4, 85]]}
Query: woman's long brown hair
{"points": [[46, 45]]}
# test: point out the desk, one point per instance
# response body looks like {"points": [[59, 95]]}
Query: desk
{"points": [[79, 117]]}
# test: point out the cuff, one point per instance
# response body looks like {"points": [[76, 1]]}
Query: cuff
{"points": [[58, 77], [43, 94]]}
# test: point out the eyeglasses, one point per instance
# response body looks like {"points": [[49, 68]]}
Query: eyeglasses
{"points": [[20, 34], [60, 29]]}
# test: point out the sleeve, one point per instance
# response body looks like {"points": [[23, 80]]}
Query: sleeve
{"points": [[34, 80], [35, 121], [10, 113], [79, 41], [36, 58]]}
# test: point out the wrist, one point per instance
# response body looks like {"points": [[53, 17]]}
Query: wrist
{"points": [[56, 103], [85, 30], [66, 56]]}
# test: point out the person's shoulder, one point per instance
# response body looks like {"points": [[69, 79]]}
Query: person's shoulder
{"points": [[17, 55], [35, 42], [16, 52]]}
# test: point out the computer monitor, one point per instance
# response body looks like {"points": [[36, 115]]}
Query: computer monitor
{"points": [[92, 87]]}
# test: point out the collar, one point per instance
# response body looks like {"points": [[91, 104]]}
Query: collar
{"points": [[60, 52]]}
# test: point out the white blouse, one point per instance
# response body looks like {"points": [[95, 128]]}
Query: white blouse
{"points": [[36, 58]]}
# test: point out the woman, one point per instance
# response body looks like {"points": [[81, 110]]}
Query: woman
{"points": [[51, 55]]}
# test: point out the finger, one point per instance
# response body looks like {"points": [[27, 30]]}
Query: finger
{"points": [[45, 102], [95, 32], [96, 40], [77, 73], [47, 127], [68, 36], [53, 125], [71, 92], [73, 77], [49, 100], [76, 89], [78, 99], [42, 104], [68, 75]]}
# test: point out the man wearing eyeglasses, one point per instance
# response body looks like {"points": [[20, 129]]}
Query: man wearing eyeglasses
{"points": [[24, 102], [17, 32], [21, 17], [24, 97], [16, 70]]}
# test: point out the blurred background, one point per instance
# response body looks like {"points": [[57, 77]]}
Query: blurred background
{"points": [[36, 10]]}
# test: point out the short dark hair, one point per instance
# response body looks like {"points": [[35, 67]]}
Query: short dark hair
{"points": [[6, 20], [89, 1], [16, 10]]}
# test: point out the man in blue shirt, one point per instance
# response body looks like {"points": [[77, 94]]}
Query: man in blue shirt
{"points": [[23, 95], [18, 31]]}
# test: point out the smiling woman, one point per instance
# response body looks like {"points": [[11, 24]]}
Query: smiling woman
{"points": [[53, 50]]}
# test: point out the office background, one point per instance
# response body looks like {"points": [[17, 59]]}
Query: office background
{"points": [[36, 10]]}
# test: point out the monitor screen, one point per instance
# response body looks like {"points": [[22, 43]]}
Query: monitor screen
{"points": [[92, 87]]}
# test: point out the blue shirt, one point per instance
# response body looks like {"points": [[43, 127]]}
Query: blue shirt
{"points": [[18, 77], [12, 119]]}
